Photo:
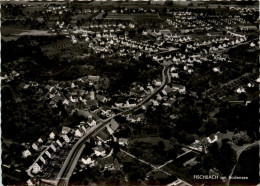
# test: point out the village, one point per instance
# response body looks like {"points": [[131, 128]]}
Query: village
{"points": [[162, 90]]}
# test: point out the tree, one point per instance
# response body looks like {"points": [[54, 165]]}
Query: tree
{"points": [[241, 138], [161, 146]]}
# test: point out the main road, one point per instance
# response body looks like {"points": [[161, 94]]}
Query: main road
{"points": [[73, 156]]}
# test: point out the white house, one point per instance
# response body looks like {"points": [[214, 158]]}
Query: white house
{"points": [[43, 160], [59, 143], [37, 167], [53, 147], [48, 154], [240, 90], [35, 145], [212, 138], [65, 130], [179, 88], [66, 138], [216, 69], [32, 182], [175, 75], [99, 151], [79, 132], [26, 153], [87, 161], [91, 122], [52, 135], [157, 82]]}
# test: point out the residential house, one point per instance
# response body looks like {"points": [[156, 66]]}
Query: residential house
{"points": [[44, 158], [65, 130], [105, 111], [147, 104], [49, 152], [84, 128], [67, 137], [135, 119], [92, 104], [123, 141], [79, 132], [42, 139], [84, 113], [26, 153], [112, 126], [52, 135], [197, 145], [179, 88], [212, 138], [100, 151], [36, 145], [175, 75], [240, 90], [37, 167], [93, 78], [157, 82], [54, 146], [58, 141], [159, 97], [87, 161], [168, 103], [155, 103], [32, 182], [91, 122], [101, 98], [168, 90]]}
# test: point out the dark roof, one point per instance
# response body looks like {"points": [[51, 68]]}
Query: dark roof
{"points": [[168, 90], [45, 156], [69, 134], [105, 108], [83, 113], [113, 124], [149, 103], [100, 97], [92, 102], [57, 98], [212, 137], [50, 150], [43, 138], [61, 140], [39, 162], [37, 143], [170, 101], [55, 144]]}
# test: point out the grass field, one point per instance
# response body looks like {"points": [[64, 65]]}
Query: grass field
{"points": [[7, 31], [153, 141]]}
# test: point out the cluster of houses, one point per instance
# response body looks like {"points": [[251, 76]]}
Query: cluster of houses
{"points": [[101, 155], [123, 46], [73, 94], [202, 144], [193, 22], [47, 148], [10, 77]]}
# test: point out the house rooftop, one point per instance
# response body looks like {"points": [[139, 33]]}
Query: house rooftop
{"points": [[113, 125]]}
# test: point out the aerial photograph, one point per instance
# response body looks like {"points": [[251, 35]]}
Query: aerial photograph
{"points": [[129, 92]]}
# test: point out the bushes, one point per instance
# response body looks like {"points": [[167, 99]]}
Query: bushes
{"points": [[241, 138]]}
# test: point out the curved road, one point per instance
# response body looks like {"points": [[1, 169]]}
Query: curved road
{"points": [[239, 152], [72, 158]]}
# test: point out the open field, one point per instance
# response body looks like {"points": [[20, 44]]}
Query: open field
{"points": [[7, 31]]}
